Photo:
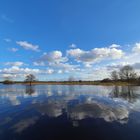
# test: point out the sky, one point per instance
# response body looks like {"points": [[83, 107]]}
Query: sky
{"points": [[62, 39]]}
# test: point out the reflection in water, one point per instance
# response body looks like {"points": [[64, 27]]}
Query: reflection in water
{"points": [[30, 89], [23, 124], [50, 109], [98, 110], [25, 107], [128, 93]]}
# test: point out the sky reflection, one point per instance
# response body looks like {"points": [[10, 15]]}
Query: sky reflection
{"points": [[23, 106]]}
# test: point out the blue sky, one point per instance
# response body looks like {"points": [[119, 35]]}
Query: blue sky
{"points": [[57, 39]]}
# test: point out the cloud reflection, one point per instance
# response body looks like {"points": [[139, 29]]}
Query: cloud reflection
{"points": [[23, 124], [77, 102], [99, 110], [50, 109]]}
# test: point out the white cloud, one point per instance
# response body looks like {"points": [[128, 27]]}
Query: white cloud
{"points": [[7, 76], [28, 46], [117, 66], [60, 63], [50, 71], [17, 70], [18, 63], [60, 71], [95, 55], [114, 46], [75, 52], [56, 61], [53, 57], [39, 63], [65, 67], [94, 64], [72, 46], [91, 73], [111, 53], [136, 48]]}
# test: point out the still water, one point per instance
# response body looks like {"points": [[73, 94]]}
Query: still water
{"points": [[53, 112]]}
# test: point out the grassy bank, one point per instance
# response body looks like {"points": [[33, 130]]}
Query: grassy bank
{"points": [[118, 83]]}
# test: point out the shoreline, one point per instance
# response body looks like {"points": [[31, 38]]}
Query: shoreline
{"points": [[78, 83]]}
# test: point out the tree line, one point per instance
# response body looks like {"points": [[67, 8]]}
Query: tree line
{"points": [[126, 73]]}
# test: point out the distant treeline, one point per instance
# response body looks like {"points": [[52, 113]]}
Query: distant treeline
{"points": [[125, 74]]}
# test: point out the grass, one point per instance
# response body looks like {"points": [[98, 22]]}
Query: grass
{"points": [[109, 83]]}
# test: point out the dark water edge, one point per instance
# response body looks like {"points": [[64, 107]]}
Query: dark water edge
{"points": [[69, 112]]}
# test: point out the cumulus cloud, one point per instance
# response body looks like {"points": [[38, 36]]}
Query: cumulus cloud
{"points": [[28, 46], [8, 76], [91, 73], [17, 63], [136, 48], [62, 64], [65, 67], [53, 57], [117, 66], [17, 70], [95, 55], [92, 64]]}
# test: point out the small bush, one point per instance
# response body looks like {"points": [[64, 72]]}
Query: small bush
{"points": [[106, 80], [7, 82]]}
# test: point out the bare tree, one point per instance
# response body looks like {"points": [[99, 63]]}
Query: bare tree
{"points": [[114, 75], [30, 78], [127, 73]]}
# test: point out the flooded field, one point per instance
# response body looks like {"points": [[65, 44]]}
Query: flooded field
{"points": [[51, 112]]}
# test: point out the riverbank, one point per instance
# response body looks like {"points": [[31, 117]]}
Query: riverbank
{"points": [[118, 83]]}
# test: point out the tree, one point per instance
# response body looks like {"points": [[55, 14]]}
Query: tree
{"points": [[106, 80], [127, 73], [114, 75], [30, 78], [8, 79], [7, 82]]}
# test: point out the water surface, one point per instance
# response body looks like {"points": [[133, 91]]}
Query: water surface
{"points": [[49, 112]]}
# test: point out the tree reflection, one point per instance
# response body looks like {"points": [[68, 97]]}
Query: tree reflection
{"points": [[29, 90], [126, 92]]}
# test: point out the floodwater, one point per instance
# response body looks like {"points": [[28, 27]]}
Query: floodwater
{"points": [[67, 112]]}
